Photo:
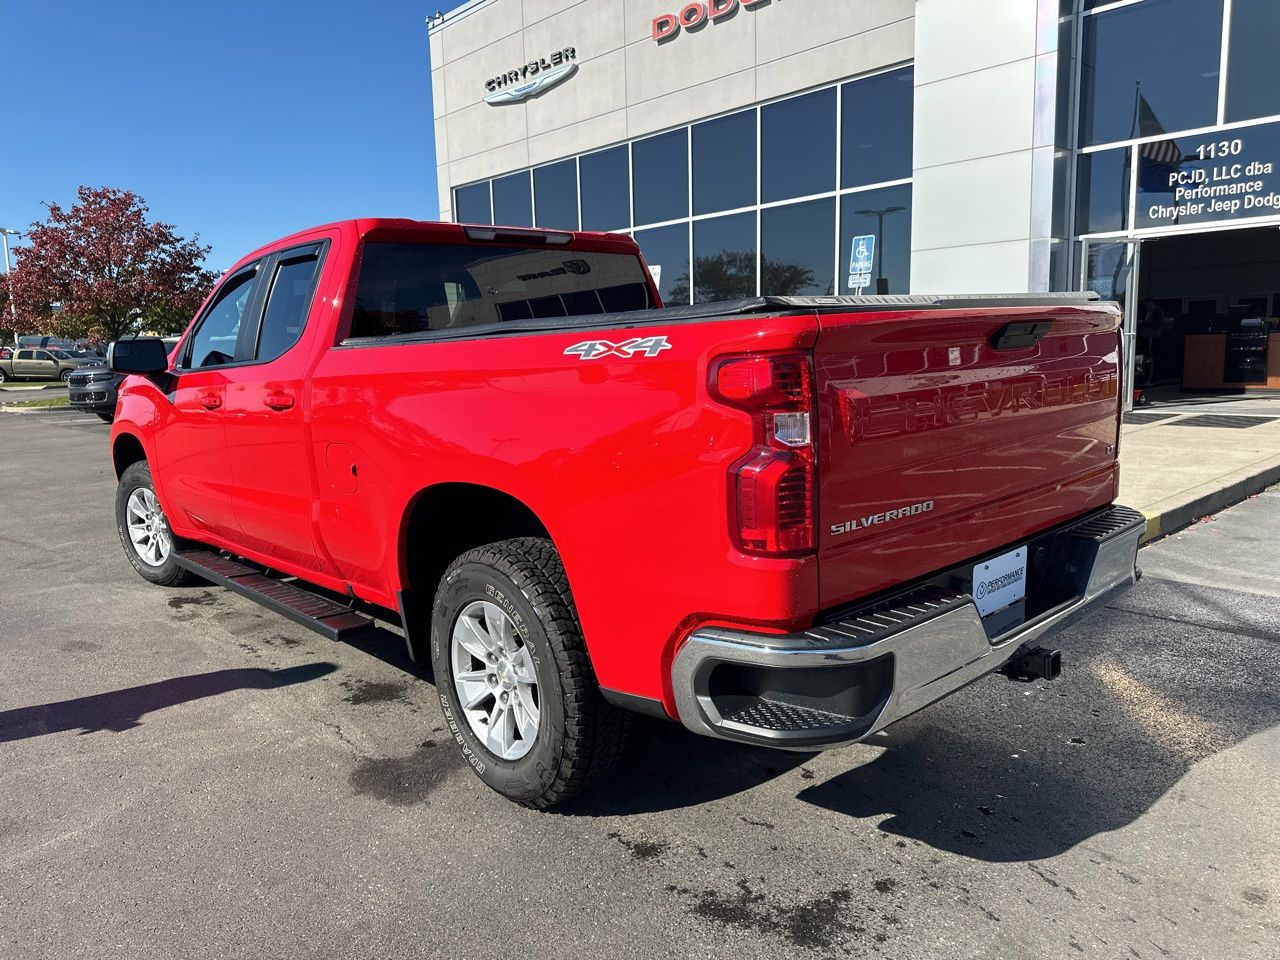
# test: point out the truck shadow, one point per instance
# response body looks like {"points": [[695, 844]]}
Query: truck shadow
{"points": [[121, 710], [959, 781], [667, 768], [1002, 772], [1009, 772]]}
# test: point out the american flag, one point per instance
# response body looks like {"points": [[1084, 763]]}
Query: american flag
{"points": [[1161, 151], [1148, 124]]}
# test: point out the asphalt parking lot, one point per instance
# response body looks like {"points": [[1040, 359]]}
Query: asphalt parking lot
{"points": [[183, 774]]}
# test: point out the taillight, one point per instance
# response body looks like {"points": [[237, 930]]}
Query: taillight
{"points": [[772, 487]]}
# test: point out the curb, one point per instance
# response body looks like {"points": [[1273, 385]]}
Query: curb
{"points": [[22, 411], [1171, 521]]}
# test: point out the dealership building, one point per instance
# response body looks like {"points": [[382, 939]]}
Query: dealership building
{"points": [[816, 147]]}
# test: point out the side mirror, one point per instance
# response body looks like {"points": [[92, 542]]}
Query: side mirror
{"points": [[145, 355]]}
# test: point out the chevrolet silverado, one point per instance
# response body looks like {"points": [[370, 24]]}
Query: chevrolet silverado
{"points": [[787, 521]]}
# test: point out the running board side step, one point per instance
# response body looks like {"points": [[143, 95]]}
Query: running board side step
{"points": [[325, 617]]}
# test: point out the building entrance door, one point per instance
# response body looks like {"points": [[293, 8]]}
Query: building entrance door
{"points": [[1110, 268], [1208, 314]]}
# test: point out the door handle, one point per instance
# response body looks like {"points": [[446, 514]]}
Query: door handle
{"points": [[278, 400], [210, 401]]}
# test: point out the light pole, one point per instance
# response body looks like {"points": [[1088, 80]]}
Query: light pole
{"points": [[879, 215], [5, 234]]}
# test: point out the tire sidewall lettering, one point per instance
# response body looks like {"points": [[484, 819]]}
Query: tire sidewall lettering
{"points": [[479, 580]]}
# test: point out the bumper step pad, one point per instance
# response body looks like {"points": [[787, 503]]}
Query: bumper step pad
{"points": [[882, 620], [325, 617], [777, 716]]}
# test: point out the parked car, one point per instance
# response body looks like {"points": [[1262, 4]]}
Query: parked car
{"points": [[787, 521], [6, 353], [40, 365], [93, 388], [44, 342]]}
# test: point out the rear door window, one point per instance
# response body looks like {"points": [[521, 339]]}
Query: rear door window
{"points": [[417, 288], [288, 301]]}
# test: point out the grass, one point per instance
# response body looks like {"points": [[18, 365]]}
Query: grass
{"points": [[62, 401]]}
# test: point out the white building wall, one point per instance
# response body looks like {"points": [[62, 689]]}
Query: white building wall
{"points": [[627, 85], [982, 197]]}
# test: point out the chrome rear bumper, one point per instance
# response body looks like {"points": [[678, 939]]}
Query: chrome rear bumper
{"points": [[843, 680]]}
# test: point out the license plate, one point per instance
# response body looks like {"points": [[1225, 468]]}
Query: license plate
{"points": [[1001, 581]]}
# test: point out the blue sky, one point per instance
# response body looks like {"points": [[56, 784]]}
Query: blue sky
{"points": [[242, 121]]}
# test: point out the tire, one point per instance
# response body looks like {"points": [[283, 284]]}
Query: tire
{"points": [[3, 376], [107, 417], [579, 735], [65, 376], [166, 573]]}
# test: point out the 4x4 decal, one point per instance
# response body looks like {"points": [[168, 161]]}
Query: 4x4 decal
{"points": [[598, 349]]}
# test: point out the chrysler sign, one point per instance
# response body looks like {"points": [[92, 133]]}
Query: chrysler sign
{"points": [[694, 16], [531, 79]]}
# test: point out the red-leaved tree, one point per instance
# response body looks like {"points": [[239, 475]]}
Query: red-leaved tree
{"points": [[101, 268]]}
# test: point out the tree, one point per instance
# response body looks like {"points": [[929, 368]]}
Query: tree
{"points": [[102, 268], [731, 275]]}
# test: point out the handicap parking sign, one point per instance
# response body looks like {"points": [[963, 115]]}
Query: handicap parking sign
{"points": [[862, 253]]}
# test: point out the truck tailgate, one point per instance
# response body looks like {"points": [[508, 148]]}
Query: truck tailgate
{"points": [[943, 435]]}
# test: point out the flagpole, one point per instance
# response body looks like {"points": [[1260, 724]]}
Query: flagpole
{"points": [[1137, 95]]}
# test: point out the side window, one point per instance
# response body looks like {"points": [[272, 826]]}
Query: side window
{"points": [[26, 354], [43, 355], [288, 303], [214, 342]]}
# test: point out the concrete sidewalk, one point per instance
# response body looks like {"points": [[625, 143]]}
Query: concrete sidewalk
{"points": [[1180, 461]]}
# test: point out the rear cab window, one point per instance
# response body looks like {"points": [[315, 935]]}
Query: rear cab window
{"points": [[421, 288]]}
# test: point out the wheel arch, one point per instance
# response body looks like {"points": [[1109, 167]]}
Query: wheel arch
{"points": [[440, 523], [126, 450]]}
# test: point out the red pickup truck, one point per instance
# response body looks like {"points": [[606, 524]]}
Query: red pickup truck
{"points": [[786, 521]]}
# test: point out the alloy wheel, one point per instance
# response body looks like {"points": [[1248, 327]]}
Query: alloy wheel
{"points": [[494, 678], [148, 529]]}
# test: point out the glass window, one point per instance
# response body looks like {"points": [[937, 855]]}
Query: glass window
{"points": [[875, 128], [798, 146], [420, 287], [1149, 68], [660, 172], [1255, 36], [886, 215], [288, 304], [606, 190], [215, 339], [724, 163], [471, 204], [555, 187], [1223, 175], [796, 255], [1102, 190], [666, 250], [724, 259], [512, 201]]}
